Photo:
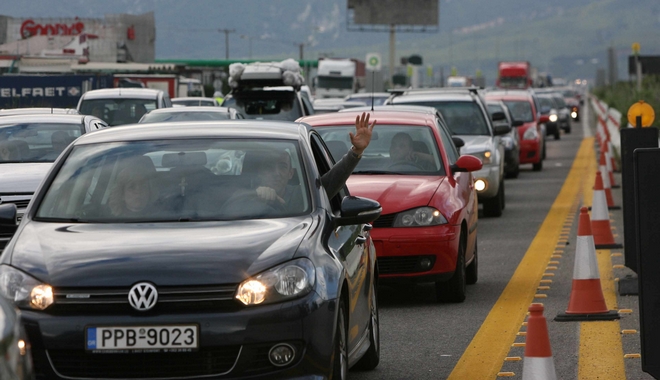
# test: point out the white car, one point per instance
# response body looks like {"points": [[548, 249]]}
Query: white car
{"points": [[118, 106]]}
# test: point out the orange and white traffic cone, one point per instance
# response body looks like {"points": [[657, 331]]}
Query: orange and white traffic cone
{"points": [[602, 169], [600, 221], [587, 302], [608, 164], [538, 363]]}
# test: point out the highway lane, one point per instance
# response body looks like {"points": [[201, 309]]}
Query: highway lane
{"points": [[422, 339]]}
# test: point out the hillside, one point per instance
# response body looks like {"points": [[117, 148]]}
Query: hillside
{"points": [[567, 38]]}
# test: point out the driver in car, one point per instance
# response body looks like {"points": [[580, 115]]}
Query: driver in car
{"points": [[273, 178], [402, 153]]}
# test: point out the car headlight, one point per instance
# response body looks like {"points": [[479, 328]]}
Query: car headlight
{"points": [[485, 156], [419, 217], [289, 280], [530, 134], [23, 290], [553, 118]]}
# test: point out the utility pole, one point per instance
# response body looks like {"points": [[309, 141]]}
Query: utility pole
{"points": [[226, 32], [392, 53], [301, 47]]}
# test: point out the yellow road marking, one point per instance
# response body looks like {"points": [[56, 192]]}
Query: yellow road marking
{"points": [[601, 351], [632, 356], [483, 357]]}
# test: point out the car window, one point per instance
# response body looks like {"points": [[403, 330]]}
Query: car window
{"points": [[463, 118], [183, 116], [167, 102], [36, 142], [118, 111], [394, 149], [268, 105], [520, 110], [546, 102], [448, 143], [309, 108], [176, 180]]}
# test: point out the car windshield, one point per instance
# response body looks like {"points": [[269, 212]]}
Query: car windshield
{"points": [[183, 116], [177, 181], [462, 118], [560, 101], [194, 102], [520, 110], [513, 82], [118, 111], [268, 105], [345, 83], [394, 149], [546, 103], [36, 142]]}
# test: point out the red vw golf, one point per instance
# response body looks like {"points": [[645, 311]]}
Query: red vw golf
{"points": [[427, 231]]}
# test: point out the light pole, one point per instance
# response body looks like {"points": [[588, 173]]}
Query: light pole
{"points": [[226, 32]]}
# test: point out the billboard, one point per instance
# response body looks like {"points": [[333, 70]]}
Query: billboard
{"points": [[422, 15], [650, 64], [62, 91]]}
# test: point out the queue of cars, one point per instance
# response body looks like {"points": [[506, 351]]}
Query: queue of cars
{"points": [[211, 279]]}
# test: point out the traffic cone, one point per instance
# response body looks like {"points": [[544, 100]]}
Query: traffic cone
{"points": [[602, 168], [587, 302], [608, 164], [600, 223], [538, 363]]}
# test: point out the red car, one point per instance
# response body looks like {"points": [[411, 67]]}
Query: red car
{"points": [[523, 109], [427, 231]]}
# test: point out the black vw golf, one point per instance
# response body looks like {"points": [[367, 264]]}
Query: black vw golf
{"points": [[158, 252]]}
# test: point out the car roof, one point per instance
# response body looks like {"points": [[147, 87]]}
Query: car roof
{"points": [[509, 96], [383, 117], [144, 93], [369, 94], [433, 96], [182, 98], [190, 109], [396, 107], [196, 129], [38, 111], [43, 118]]}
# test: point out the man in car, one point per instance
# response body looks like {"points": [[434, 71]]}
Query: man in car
{"points": [[402, 152], [274, 177]]}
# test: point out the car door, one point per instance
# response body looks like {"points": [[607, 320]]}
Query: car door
{"points": [[351, 245]]}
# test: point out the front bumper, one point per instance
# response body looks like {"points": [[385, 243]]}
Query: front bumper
{"points": [[233, 343], [402, 251], [492, 176]]}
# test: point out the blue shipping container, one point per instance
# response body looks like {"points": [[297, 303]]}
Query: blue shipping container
{"points": [[61, 91]]}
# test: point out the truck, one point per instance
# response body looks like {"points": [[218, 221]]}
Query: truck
{"points": [[339, 77], [176, 86], [515, 74]]}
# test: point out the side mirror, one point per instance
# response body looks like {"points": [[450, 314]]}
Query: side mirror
{"points": [[501, 129], [358, 210], [466, 163], [8, 214], [497, 116], [544, 119], [517, 123], [458, 142]]}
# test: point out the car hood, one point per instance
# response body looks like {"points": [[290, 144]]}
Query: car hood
{"points": [[475, 144], [395, 193], [22, 177], [197, 253]]}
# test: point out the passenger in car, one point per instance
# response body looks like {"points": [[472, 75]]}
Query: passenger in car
{"points": [[134, 192], [402, 153], [9, 151]]}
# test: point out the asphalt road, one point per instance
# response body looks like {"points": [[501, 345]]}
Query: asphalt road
{"points": [[422, 339]]}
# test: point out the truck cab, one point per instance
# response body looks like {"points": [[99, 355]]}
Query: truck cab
{"points": [[336, 78]]}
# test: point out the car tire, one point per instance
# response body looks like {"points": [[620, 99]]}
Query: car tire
{"points": [[493, 207], [513, 173], [543, 152], [537, 167], [503, 197], [557, 135], [454, 290], [568, 129], [340, 354], [472, 270], [371, 358]]}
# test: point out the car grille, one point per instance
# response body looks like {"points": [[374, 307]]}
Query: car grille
{"points": [[20, 203], [81, 364], [385, 221], [403, 264], [181, 299]]}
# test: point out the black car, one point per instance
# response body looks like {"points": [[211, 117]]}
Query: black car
{"points": [[137, 260]]}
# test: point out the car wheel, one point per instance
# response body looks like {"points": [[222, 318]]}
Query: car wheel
{"points": [[472, 271], [371, 358], [454, 290], [513, 173], [503, 197], [493, 207], [340, 360], [557, 135], [543, 152], [568, 129]]}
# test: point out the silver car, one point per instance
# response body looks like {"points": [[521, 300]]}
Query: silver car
{"points": [[118, 106], [202, 113], [466, 115], [29, 144]]}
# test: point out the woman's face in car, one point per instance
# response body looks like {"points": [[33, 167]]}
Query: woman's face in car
{"points": [[136, 194]]}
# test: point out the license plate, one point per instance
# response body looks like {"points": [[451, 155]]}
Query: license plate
{"points": [[142, 338]]}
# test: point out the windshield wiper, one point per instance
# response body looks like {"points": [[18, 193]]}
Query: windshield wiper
{"points": [[377, 172]]}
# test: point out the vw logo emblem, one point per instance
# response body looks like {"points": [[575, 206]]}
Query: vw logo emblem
{"points": [[143, 296]]}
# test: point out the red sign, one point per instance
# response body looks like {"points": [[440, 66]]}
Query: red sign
{"points": [[29, 29]]}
